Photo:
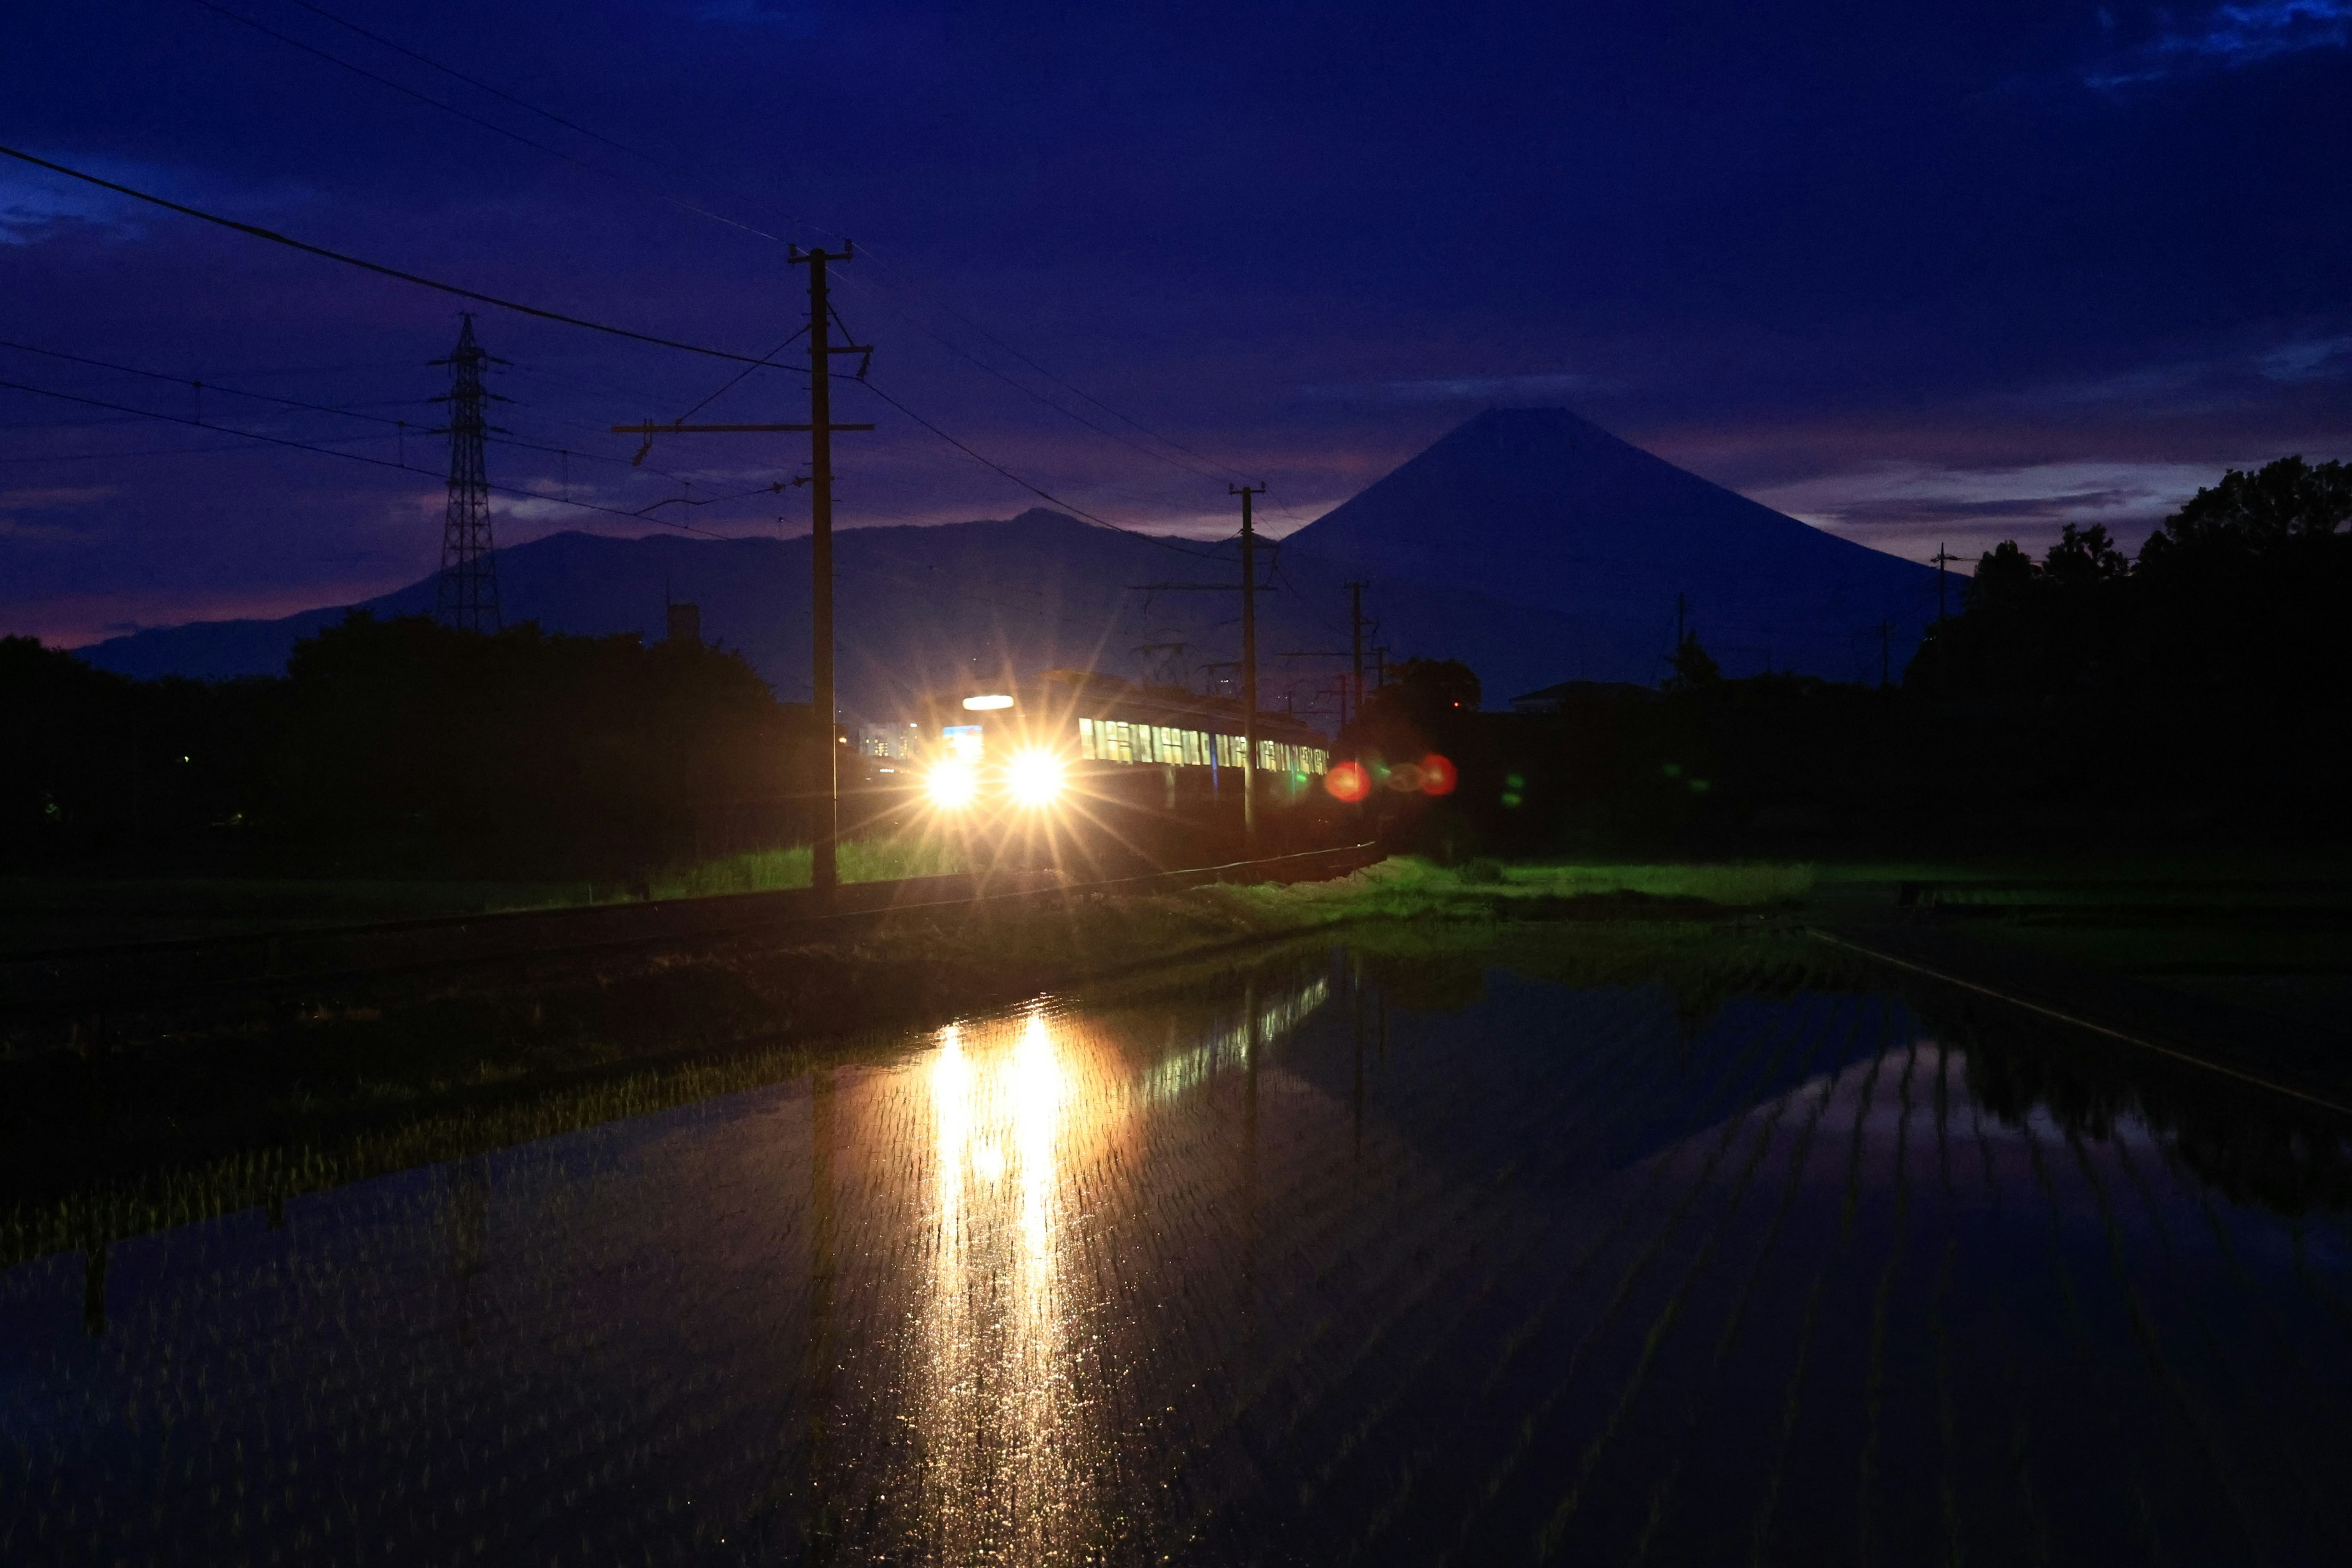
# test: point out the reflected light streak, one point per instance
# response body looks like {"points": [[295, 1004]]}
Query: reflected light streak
{"points": [[1005, 1469], [1008, 1450]]}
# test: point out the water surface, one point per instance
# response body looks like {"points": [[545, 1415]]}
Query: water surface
{"points": [[1286, 1267]]}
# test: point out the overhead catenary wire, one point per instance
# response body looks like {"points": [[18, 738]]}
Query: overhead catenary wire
{"points": [[541, 312], [271, 236], [1077, 512], [491, 126], [313, 407], [274, 237], [642, 515], [1222, 470]]}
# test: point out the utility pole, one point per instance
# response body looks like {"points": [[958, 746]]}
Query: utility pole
{"points": [[1249, 664], [825, 866], [1941, 558], [1356, 641], [825, 872], [468, 594]]}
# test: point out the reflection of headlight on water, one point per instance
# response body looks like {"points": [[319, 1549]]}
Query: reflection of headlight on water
{"points": [[951, 785], [1035, 778]]}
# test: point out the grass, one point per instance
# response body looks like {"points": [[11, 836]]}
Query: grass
{"points": [[41, 913], [1406, 886], [769, 870]]}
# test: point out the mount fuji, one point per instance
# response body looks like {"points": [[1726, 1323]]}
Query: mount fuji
{"points": [[1538, 507], [1532, 545]]}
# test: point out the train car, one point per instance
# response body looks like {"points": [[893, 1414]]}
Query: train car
{"points": [[1109, 773]]}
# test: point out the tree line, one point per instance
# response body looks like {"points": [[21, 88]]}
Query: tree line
{"points": [[2193, 695], [399, 748]]}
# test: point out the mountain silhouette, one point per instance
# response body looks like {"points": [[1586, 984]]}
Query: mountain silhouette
{"points": [[1539, 507], [1528, 544]]}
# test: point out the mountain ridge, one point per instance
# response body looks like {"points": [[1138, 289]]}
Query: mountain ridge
{"points": [[1484, 547]]}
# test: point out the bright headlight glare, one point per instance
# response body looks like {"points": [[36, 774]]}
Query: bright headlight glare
{"points": [[951, 784], [1035, 778]]}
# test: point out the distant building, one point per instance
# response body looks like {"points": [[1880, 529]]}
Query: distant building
{"points": [[686, 623], [1555, 699]]}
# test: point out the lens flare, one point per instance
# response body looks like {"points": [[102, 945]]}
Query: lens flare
{"points": [[1348, 782], [1035, 778], [1437, 775], [952, 785]]}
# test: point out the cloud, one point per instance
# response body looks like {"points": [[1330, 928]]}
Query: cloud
{"points": [[39, 532], [2238, 378], [1462, 389], [1911, 509], [2229, 37], [42, 498], [2312, 359], [51, 498], [35, 203], [2066, 506]]}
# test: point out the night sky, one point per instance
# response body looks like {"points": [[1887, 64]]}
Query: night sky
{"points": [[1919, 274]]}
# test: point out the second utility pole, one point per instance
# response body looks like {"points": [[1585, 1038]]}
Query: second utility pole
{"points": [[1249, 664], [825, 870], [1356, 642]]}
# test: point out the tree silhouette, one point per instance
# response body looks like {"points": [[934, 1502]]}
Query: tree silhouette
{"points": [[1694, 666]]}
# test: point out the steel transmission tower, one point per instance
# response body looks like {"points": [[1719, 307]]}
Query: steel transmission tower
{"points": [[469, 563]]}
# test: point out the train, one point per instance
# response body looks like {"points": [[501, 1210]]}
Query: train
{"points": [[1094, 773]]}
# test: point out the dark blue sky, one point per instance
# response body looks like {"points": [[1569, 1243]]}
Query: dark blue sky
{"points": [[1915, 273]]}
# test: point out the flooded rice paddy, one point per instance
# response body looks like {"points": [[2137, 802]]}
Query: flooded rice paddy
{"points": [[1292, 1265]]}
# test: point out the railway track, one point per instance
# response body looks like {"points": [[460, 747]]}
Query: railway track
{"points": [[146, 971]]}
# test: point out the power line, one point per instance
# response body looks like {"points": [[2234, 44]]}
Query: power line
{"points": [[188, 381], [1075, 511], [473, 81], [572, 320], [491, 126], [313, 407], [729, 385], [1020, 386], [643, 515], [1222, 470], [112, 456], [1071, 387], [274, 237]]}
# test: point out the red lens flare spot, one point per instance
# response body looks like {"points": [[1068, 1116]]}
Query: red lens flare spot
{"points": [[1348, 782], [1437, 775]]}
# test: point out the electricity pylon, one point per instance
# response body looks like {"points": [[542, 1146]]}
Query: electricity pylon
{"points": [[469, 598]]}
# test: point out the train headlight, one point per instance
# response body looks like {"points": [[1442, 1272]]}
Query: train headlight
{"points": [[1035, 778], [952, 785]]}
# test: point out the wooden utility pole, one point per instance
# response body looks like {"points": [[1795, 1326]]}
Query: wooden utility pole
{"points": [[1249, 664], [1941, 558], [825, 866], [1356, 641], [825, 872]]}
